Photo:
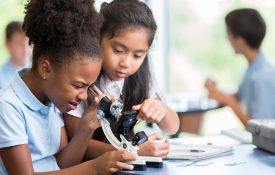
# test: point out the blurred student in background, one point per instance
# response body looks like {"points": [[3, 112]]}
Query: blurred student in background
{"points": [[255, 97], [19, 50]]}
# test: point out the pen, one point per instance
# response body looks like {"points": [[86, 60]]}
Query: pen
{"points": [[196, 150]]}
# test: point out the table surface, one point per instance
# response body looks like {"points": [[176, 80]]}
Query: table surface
{"points": [[188, 103], [257, 162]]}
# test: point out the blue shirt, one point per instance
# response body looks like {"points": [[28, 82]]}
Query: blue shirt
{"points": [[25, 120], [257, 89], [7, 72]]}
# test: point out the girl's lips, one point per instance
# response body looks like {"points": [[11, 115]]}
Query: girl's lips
{"points": [[72, 106], [121, 74]]}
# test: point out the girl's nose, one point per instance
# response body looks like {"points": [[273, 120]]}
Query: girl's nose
{"points": [[125, 61], [83, 95]]}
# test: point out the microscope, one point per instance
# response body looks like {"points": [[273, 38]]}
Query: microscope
{"points": [[108, 113]]}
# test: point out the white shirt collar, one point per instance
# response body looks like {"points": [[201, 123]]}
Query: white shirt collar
{"points": [[113, 87]]}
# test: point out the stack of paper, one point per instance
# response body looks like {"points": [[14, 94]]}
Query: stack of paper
{"points": [[197, 152], [241, 135]]}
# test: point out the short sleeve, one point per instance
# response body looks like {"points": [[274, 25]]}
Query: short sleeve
{"points": [[242, 86], [262, 102], [239, 91], [12, 126], [79, 111]]}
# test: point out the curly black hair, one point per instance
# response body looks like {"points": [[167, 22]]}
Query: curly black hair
{"points": [[62, 29]]}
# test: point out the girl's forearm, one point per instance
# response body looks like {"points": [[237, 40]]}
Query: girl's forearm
{"points": [[170, 123], [96, 148], [73, 153], [86, 168]]}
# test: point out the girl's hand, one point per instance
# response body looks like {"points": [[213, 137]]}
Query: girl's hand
{"points": [[150, 148], [114, 161], [89, 121], [151, 110]]}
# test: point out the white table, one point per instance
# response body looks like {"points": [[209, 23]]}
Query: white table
{"points": [[257, 162]]}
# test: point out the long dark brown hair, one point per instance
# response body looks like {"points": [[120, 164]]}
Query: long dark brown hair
{"points": [[119, 15]]}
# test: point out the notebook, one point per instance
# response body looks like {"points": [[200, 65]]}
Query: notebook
{"points": [[197, 152], [241, 135]]}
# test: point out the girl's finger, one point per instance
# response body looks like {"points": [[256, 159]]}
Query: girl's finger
{"points": [[165, 146], [104, 91], [111, 97], [141, 115], [154, 136], [124, 155], [94, 105], [122, 165], [96, 100], [145, 106], [114, 170], [136, 107], [150, 112], [163, 153]]}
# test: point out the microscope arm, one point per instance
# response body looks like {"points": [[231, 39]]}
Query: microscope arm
{"points": [[123, 145]]}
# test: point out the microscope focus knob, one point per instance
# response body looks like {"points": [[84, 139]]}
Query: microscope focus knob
{"points": [[139, 138], [100, 114]]}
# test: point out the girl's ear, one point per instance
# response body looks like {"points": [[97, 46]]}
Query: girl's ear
{"points": [[45, 69]]}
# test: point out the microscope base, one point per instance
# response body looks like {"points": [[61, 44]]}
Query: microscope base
{"points": [[139, 165], [146, 161], [153, 162]]}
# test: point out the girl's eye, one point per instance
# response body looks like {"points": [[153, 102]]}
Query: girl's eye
{"points": [[137, 56], [77, 86], [118, 51]]}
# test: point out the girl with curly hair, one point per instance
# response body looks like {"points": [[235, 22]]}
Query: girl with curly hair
{"points": [[66, 61]]}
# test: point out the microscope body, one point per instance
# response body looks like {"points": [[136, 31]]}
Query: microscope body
{"points": [[124, 121], [111, 112]]}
